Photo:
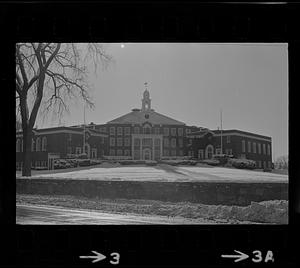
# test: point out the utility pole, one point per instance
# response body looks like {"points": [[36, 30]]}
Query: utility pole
{"points": [[221, 133]]}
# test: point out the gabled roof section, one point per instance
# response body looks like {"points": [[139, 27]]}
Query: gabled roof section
{"points": [[139, 117]]}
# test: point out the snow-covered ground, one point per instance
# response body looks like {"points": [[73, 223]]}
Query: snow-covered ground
{"points": [[168, 173]]}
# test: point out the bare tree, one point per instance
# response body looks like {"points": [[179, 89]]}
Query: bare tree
{"points": [[50, 74], [282, 162]]}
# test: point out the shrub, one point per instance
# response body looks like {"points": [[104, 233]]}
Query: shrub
{"points": [[242, 163], [84, 162], [211, 162], [131, 162], [179, 162], [222, 158]]}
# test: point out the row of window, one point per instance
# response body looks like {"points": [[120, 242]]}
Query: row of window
{"points": [[119, 152], [78, 150], [36, 145], [120, 141], [147, 130], [145, 142], [19, 165], [264, 164], [173, 153], [256, 148]]}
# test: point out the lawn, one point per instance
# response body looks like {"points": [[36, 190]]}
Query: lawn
{"points": [[164, 172]]}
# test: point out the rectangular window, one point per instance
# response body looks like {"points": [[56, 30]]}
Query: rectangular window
{"points": [[111, 152], [243, 146], [112, 130], [127, 141], [269, 149], [157, 131], [112, 141], [218, 151], [254, 147], [200, 154], [136, 130], [137, 142], [166, 152], [191, 153], [166, 142], [78, 150], [264, 149], [180, 153], [119, 142], [173, 153], [180, 131], [147, 142], [126, 152], [187, 131], [259, 148], [157, 142], [173, 143], [173, 131], [119, 152], [249, 146], [119, 130], [166, 132], [180, 143], [127, 130], [228, 139]]}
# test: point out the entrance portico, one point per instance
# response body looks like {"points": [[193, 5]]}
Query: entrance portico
{"points": [[146, 146]]}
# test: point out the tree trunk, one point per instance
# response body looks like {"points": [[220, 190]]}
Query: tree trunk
{"points": [[27, 138]]}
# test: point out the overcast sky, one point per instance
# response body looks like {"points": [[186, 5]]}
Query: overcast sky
{"points": [[191, 83]]}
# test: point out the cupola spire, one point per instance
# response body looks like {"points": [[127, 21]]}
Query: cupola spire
{"points": [[146, 101]]}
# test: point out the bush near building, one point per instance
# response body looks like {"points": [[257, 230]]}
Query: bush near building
{"points": [[242, 163]]}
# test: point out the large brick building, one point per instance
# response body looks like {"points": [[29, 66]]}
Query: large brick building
{"points": [[61, 142], [146, 134]]}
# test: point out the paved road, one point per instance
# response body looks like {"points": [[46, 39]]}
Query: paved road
{"points": [[32, 214]]}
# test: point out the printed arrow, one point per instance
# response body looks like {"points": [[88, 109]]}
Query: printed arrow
{"points": [[242, 256], [97, 257]]}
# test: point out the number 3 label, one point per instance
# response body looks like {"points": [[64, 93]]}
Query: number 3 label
{"points": [[116, 258], [257, 256]]}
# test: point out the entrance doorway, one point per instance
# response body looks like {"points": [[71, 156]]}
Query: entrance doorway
{"points": [[147, 154], [209, 151]]}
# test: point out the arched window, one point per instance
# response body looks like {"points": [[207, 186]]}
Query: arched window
{"points": [[32, 145], [38, 144], [18, 145], [209, 151], [44, 144]]}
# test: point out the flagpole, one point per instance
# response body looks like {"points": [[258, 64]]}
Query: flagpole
{"points": [[221, 133], [83, 148]]}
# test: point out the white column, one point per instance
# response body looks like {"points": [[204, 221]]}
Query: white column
{"points": [[141, 156], [132, 147], [161, 146], [152, 148]]}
